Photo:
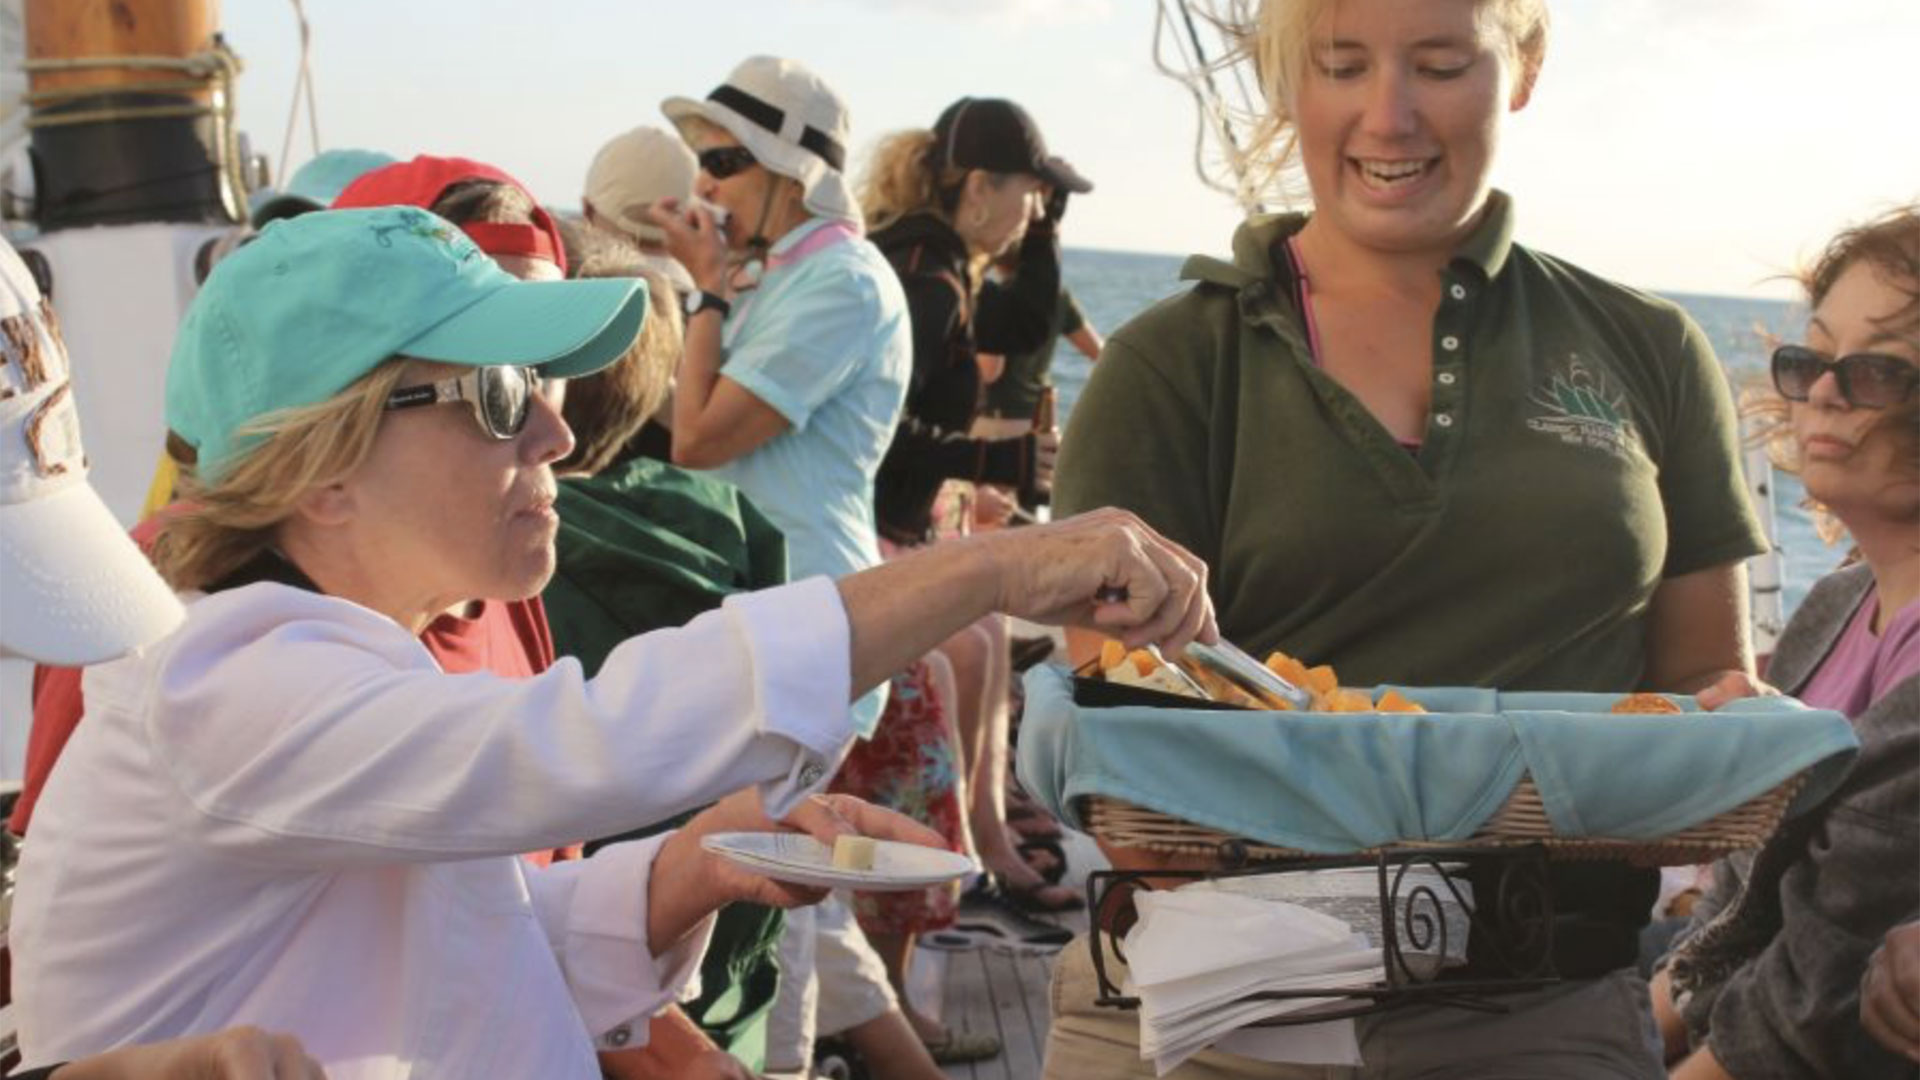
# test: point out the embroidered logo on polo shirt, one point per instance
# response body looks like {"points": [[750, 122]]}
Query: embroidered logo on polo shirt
{"points": [[1583, 410]]}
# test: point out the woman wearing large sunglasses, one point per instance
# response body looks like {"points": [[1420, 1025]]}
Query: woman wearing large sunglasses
{"points": [[286, 815], [1769, 979]]}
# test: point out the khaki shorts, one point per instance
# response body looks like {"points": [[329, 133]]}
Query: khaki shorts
{"points": [[1587, 1029], [830, 980]]}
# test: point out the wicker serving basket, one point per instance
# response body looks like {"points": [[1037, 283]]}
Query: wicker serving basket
{"points": [[1522, 819]]}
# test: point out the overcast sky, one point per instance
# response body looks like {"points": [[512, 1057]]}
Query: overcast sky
{"points": [[1690, 145]]}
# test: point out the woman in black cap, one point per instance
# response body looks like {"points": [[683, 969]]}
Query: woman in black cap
{"points": [[943, 203]]}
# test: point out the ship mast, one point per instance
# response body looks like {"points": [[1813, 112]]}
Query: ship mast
{"points": [[130, 113]]}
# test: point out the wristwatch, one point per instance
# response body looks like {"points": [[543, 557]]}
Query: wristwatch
{"points": [[701, 300]]}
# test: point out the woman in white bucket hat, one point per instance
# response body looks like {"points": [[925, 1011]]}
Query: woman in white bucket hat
{"points": [[790, 387], [817, 350], [790, 120]]}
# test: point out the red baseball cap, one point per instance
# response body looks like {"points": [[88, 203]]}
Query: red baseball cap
{"points": [[423, 180]]}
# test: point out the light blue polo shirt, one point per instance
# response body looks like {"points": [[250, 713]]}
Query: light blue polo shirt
{"points": [[825, 341]]}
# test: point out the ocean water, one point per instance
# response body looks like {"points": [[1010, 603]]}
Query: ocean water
{"points": [[1113, 286]]}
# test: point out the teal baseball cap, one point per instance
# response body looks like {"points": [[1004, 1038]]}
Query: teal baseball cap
{"points": [[314, 186], [317, 301]]}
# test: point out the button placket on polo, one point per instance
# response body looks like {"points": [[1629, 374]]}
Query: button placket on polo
{"points": [[1449, 360], [1408, 484]]}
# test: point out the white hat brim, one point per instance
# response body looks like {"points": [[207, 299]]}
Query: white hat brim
{"points": [[825, 189], [77, 589]]}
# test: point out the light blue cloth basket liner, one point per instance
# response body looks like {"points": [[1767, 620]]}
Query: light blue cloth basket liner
{"points": [[1337, 783]]}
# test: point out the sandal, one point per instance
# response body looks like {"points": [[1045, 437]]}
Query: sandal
{"points": [[1050, 869], [961, 1047], [1042, 897], [1029, 820]]}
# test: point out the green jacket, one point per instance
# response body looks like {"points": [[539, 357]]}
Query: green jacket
{"points": [[643, 546]]}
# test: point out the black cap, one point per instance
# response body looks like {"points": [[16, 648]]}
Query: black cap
{"points": [[996, 135]]}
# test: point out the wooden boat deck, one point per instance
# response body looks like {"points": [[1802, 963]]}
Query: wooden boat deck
{"points": [[999, 991]]}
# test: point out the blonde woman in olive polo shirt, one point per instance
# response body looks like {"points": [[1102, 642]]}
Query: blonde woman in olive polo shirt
{"points": [[1414, 449]]}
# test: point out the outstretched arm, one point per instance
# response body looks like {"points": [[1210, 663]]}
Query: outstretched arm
{"points": [[1047, 574]]}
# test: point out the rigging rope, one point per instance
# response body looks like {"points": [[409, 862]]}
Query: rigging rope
{"points": [[1195, 71], [302, 85]]}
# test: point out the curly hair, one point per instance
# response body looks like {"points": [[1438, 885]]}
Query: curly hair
{"points": [[902, 179], [1890, 244]]}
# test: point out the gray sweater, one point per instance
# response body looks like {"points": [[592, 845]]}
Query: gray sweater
{"points": [[1770, 968]]}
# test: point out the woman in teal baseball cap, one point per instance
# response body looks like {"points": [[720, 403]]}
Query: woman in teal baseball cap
{"points": [[284, 814]]}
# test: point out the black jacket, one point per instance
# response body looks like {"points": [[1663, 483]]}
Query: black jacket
{"points": [[952, 324]]}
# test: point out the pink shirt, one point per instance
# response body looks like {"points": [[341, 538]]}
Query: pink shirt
{"points": [[1863, 666]]}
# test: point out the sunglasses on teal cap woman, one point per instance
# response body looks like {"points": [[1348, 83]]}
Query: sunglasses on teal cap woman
{"points": [[501, 396]]}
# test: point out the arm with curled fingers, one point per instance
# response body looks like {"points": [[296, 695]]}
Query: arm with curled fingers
{"points": [[714, 420], [1890, 992], [1105, 569]]}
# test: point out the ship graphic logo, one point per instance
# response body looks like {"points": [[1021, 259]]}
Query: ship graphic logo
{"points": [[426, 227], [1582, 409]]}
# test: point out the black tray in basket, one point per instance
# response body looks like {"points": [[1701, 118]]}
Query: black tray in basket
{"points": [[1091, 693]]}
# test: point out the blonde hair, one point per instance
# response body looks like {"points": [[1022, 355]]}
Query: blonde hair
{"points": [[222, 526], [901, 179], [605, 409], [1890, 244], [1275, 38]]}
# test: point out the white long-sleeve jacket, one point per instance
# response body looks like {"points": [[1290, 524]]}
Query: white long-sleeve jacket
{"points": [[286, 815]]}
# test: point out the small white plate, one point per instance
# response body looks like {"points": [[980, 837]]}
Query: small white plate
{"points": [[801, 860]]}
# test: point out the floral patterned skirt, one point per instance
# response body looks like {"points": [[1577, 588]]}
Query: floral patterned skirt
{"points": [[908, 766]]}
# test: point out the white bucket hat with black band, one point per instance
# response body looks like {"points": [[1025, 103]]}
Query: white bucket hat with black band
{"points": [[790, 120]]}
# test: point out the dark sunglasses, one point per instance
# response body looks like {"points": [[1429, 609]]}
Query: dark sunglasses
{"points": [[721, 162], [501, 397], [1866, 380]]}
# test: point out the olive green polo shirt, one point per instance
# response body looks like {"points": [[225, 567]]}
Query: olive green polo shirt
{"points": [[1581, 448]]}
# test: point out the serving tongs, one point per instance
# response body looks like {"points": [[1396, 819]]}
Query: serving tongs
{"points": [[1228, 661], [1233, 664], [1192, 684]]}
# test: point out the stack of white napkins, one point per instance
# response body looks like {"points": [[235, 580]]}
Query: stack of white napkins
{"points": [[1194, 954]]}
